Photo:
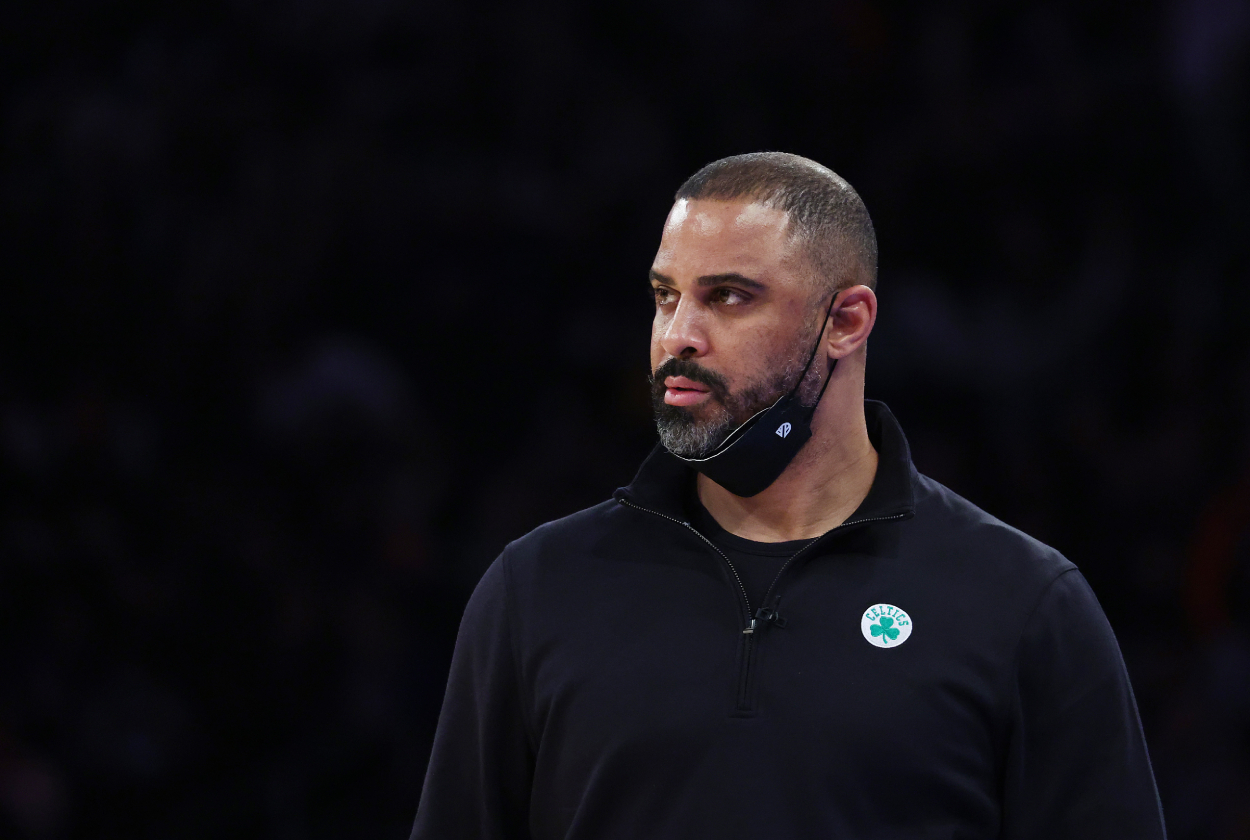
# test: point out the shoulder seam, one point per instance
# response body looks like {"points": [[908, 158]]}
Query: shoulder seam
{"points": [[1014, 672], [514, 637]]}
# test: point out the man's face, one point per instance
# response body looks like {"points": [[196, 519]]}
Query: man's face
{"points": [[735, 319]]}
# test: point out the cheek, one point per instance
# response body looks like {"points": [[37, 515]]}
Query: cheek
{"points": [[658, 325], [657, 356]]}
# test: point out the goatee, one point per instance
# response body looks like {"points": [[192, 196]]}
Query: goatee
{"points": [[683, 434]]}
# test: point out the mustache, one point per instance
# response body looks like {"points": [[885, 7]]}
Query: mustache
{"points": [[692, 371]]}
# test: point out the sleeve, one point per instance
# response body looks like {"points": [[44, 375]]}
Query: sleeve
{"points": [[1077, 765], [478, 781]]}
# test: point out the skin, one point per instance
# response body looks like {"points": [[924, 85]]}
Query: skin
{"points": [[733, 293]]}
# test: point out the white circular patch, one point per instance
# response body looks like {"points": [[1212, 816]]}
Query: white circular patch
{"points": [[885, 625]]}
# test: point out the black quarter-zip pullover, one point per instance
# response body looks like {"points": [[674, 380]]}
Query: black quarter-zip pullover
{"points": [[921, 671]]}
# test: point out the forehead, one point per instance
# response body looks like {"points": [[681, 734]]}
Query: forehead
{"points": [[706, 236]]}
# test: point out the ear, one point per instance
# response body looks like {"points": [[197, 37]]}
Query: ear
{"points": [[854, 313]]}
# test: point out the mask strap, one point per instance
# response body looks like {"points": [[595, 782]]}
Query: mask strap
{"points": [[810, 358]]}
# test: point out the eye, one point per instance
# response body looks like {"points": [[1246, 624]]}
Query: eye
{"points": [[663, 295], [729, 296]]}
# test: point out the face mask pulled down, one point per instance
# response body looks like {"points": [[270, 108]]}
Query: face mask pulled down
{"points": [[752, 456]]}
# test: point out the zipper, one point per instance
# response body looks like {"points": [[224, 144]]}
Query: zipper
{"points": [[748, 632], [746, 668], [786, 564], [772, 615], [750, 628]]}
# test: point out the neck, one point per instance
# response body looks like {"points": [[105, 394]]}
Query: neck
{"points": [[823, 486]]}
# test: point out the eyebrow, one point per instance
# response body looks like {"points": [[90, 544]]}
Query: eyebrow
{"points": [[715, 280]]}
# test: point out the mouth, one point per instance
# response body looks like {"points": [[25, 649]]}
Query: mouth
{"points": [[680, 391]]}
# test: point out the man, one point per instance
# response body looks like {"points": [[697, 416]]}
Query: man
{"points": [[767, 635]]}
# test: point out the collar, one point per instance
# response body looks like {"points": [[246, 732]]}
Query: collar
{"points": [[664, 482]]}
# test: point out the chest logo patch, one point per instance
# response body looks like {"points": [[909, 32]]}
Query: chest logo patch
{"points": [[885, 625]]}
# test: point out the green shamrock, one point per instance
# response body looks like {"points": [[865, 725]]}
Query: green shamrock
{"points": [[885, 628]]}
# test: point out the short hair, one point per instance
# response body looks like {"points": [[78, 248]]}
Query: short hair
{"points": [[824, 210]]}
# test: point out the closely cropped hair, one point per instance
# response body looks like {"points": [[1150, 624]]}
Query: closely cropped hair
{"points": [[825, 212]]}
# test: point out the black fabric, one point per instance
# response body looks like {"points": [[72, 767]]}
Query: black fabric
{"points": [[756, 563], [603, 684]]}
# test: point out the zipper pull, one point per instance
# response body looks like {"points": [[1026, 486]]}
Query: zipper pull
{"points": [[750, 629], [772, 616]]}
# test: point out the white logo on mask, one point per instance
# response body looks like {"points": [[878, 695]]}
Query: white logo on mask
{"points": [[783, 430]]}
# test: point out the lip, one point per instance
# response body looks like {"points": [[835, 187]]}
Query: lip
{"points": [[680, 391], [684, 384]]}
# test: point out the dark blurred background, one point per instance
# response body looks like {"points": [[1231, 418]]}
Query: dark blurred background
{"points": [[311, 306]]}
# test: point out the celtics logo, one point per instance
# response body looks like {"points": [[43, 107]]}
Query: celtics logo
{"points": [[885, 626]]}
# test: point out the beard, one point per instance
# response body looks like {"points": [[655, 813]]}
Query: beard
{"points": [[697, 433]]}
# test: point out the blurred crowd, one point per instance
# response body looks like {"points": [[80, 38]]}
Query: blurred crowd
{"points": [[313, 306]]}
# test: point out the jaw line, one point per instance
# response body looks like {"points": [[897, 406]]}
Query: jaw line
{"points": [[733, 437]]}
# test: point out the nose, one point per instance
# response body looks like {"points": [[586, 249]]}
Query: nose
{"points": [[684, 336]]}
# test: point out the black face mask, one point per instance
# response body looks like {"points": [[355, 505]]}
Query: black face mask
{"points": [[756, 453]]}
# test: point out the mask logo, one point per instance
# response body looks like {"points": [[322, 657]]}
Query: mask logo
{"points": [[783, 430]]}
